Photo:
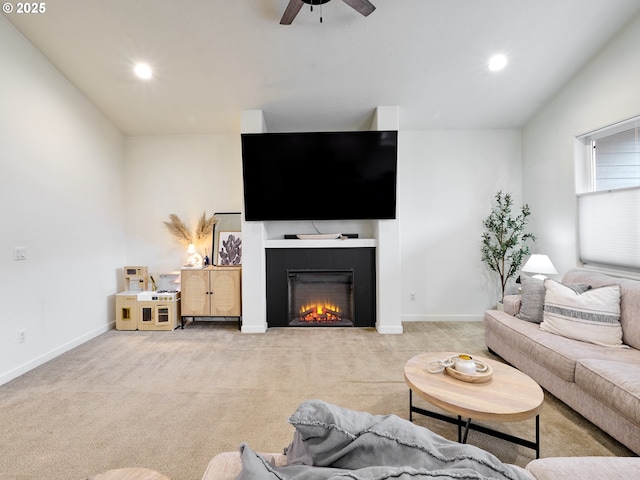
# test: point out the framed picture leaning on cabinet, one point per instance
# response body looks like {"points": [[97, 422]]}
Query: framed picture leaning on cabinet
{"points": [[229, 248], [228, 224]]}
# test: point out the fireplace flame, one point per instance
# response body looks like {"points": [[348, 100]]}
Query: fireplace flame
{"points": [[320, 312]]}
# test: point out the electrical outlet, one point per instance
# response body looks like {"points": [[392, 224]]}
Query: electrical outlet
{"points": [[20, 253], [412, 296], [22, 335]]}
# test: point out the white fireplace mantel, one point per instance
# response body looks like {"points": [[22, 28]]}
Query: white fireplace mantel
{"points": [[348, 243], [384, 235]]}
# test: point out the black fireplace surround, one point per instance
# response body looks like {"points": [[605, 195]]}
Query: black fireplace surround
{"points": [[360, 260]]}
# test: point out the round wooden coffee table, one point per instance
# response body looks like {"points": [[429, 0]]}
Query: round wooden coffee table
{"points": [[510, 396]]}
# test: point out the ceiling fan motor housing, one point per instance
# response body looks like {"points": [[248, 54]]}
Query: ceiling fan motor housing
{"points": [[364, 7]]}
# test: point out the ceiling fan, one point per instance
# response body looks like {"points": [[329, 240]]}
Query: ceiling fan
{"points": [[361, 6]]}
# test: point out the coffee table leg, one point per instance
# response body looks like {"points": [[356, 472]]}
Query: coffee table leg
{"points": [[480, 428], [537, 436], [410, 405], [505, 436], [466, 431]]}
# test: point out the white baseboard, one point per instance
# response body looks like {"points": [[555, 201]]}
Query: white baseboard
{"points": [[254, 328], [389, 330], [42, 359]]}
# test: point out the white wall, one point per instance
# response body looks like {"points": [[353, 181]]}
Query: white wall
{"points": [[448, 180], [447, 183], [186, 175], [82, 212], [604, 92], [61, 191], [85, 201]]}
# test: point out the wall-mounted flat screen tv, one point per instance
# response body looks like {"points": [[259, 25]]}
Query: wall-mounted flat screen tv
{"points": [[320, 175]]}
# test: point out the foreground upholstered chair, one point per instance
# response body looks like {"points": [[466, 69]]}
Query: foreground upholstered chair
{"points": [[337, 438], [227, 466]]}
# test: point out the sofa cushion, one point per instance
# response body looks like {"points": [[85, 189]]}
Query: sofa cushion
{"points": [[614, 383], [528, 339], [533, 293], [555, 353], [592, 316], [629, 302], [602, 468]]}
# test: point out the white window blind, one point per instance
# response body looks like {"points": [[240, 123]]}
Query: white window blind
{"points": [[617, 160], [609, 228]]}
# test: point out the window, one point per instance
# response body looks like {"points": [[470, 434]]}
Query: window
{"points": [[609, 228], [608, 188], [616, 159]]}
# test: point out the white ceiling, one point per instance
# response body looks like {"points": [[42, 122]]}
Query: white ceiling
{"points": [[214, 58]]}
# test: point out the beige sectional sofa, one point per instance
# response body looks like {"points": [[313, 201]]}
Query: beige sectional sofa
{"points": [[227, 466], [602, 383]]}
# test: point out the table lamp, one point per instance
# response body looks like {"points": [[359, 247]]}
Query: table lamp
{"points": [[540, 265], [194, 259]]}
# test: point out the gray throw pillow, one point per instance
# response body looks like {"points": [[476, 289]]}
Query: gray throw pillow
{"points": [[532, 301], [533, 292]]}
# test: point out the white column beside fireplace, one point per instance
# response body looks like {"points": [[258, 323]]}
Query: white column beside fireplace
{"points": [[382, 234]]}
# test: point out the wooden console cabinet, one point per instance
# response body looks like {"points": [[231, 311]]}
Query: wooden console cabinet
{"points": [[211, 292]]}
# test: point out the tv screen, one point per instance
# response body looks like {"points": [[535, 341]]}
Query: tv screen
{"points": [[320, 175]]}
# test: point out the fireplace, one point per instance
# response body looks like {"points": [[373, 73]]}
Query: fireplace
{"points": [[320, 298], [321, 287]]}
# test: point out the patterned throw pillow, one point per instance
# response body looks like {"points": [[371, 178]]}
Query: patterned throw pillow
{"points": [[592, 316], [532, 298]]}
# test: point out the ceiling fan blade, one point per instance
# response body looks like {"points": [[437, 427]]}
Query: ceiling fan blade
{"points": [[292, 10], [362, 6]]}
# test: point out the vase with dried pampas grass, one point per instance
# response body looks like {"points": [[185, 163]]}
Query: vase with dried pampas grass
{"points": [[202, 233]]}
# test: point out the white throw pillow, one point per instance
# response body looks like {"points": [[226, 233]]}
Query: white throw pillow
{"points": [[592, 316]]}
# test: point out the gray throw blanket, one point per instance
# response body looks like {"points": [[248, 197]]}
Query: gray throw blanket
{"points": [[334, 443]]}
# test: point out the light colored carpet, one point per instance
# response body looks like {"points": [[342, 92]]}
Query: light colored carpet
{"points": [[169, 401]]}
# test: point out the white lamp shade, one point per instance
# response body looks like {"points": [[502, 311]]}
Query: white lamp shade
{"points": [[539, 264]]}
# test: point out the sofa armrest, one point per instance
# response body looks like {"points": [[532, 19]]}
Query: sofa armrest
{"points": [[511, 304], [228, 465], [585, 468]]}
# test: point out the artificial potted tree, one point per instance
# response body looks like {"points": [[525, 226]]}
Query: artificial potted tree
{"points": [[504, 240]]}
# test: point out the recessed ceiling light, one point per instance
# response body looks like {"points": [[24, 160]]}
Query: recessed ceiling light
{"points": [[143, 70], [497, 62]]}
